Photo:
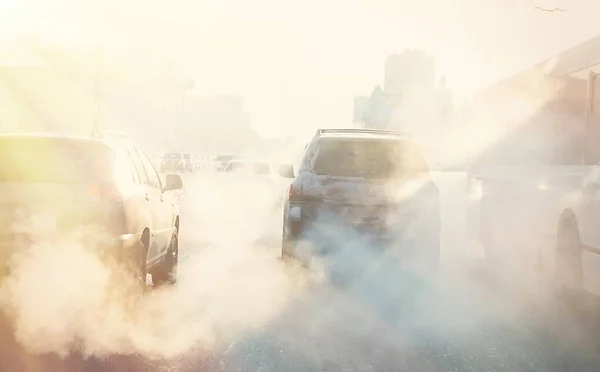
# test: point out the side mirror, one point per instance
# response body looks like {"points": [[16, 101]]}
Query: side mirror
{"points": [[173, 182], [286, 171]]}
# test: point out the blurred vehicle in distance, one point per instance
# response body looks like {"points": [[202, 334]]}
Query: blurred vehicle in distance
{"points": [[259, 177], [107, 184], [174, 162], [221, 161], [188, 162], [368, 187]]}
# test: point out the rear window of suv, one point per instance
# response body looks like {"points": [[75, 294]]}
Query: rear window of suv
{"points": [[369, 158], [40, 159]]}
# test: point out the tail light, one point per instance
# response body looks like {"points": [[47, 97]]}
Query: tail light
{"points": [[96, 203], [295, 194], [100, 193]]}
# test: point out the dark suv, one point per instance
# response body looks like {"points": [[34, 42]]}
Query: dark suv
{"points": [[72, 183], [362, 187]]}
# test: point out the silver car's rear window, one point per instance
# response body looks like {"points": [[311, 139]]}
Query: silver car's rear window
{"points": [[40, 159], [369, 158]]}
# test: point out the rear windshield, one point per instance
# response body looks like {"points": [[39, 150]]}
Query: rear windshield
{"points": [[224, 157], [369, 158], [172, 156], [248, 167], [53, 160]]}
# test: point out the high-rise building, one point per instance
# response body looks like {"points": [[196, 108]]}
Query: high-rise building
{"points": [[410, 72], [410, 100], [360, 106]]}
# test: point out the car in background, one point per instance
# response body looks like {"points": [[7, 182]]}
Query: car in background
{"points": [[362, 187], [222, 160], [197, 161], [173, 162], [106, 184], [260, 177], [188, 162]]}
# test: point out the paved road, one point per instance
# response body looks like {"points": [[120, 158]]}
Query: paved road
{"points": [[236, 308]]}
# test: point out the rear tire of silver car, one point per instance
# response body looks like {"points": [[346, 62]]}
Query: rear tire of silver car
{"points": [[139, 262], [568, 270], [167, 272]]}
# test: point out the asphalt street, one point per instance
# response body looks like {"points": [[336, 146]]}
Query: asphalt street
{"points": [[237, 308]]}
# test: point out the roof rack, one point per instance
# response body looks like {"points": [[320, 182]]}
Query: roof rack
{"points": [[320, 132]]}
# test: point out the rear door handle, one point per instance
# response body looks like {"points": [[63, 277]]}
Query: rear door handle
{"points": [[147, 197]]}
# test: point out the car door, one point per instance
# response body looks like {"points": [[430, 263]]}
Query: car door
{"points": [[130, 184], [147, 213], [161, 208]]}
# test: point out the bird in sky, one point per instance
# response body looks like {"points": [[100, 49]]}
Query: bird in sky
{"points": [[550, 10]]}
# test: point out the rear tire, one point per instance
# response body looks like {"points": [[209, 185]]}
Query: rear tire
{"points": [[166, 274], [137, 266]]}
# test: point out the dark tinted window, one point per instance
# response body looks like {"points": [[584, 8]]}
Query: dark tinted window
{"points": [[369, 158], [224, 158], [38, 159]]}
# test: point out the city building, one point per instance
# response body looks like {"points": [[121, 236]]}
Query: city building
{"points": [[410, 99], [360, 105]]}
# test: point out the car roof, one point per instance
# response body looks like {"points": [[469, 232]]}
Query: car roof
{"points": [[361, 133], [363, 136], [369, 137]]}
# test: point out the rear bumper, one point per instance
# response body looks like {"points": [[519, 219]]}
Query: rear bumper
{"points": [[418, 234]]}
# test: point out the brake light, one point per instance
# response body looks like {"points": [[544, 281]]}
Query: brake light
{"points": [[95, 191], [294, 194], [101, 192], [112, 193]]}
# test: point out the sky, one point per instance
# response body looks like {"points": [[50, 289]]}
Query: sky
{"points": [[299, 63]]}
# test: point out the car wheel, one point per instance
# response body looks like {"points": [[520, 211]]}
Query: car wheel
{"points": [[167, 272], [138, 265]]}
